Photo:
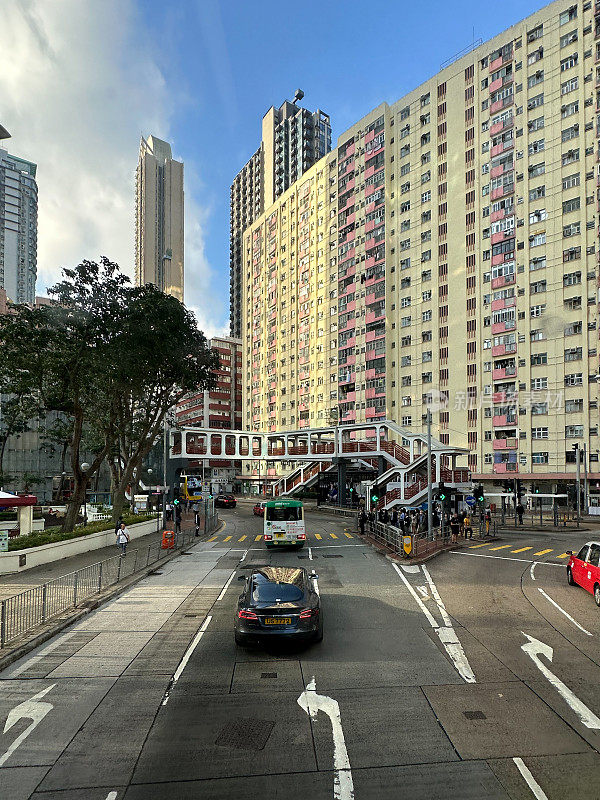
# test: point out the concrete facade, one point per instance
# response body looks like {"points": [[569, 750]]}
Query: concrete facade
{"points": [[159, 247], [445, 252]]}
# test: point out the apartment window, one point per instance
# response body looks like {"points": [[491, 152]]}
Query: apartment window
{"points": [[539, 383], [535, 216], [425, 236], [426, 255], [405, 150], [405, 244], [539, 433], [405, 113], [405, 302], [573, 406], [573, 304], [405, 263], [426, 196], [407, 400], [573, 431], [568, 15], [569, 62], [535, 124], [572, 254], [572, 278], [426, 275], [426, 377], [568, 38], [571, 205], [569, 133], [537, 239], [537, 287], [574, 329], [426, 316], [537, 311], [535, 102], [537, 193], [537, 55], [569, 86], [406, 341], [574, 379], [405, 361], [536, 78], [538, 359], [405, 169], [537, 263], [570, 157], [536, 147], [405, 322], [569, 109], [571, 230], [405, 187], [539, 458], [571, 180], [573, 354], [537, 169]]}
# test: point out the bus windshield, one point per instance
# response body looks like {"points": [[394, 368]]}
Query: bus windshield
{"points": [[284, 514]]}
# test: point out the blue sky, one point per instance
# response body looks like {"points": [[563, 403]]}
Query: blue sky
{"points": [[232, 60]]}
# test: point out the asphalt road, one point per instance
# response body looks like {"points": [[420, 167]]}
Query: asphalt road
{"points": [[460, 679]]}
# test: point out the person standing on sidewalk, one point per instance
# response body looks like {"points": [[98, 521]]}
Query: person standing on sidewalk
{"points": [[467, 527], [454, 528], [123, 539], [520, 512]]}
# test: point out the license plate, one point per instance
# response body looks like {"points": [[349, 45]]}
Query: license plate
{"points": [[279, 535], [278, 621]]}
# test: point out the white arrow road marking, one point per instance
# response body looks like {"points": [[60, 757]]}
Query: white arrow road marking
{"points": [[410, 568], [312, 703], [424, 592], [446, 633], [534, 648], [532, 569], [111, 796], [537, 790], [562, 611], [29, 709]]}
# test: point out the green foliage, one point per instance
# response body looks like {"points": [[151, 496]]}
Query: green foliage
{"points": [[55, 534]]}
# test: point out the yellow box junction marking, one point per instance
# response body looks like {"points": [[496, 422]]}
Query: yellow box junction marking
{"points": [[502, 547], [543, 552], [241, 539], [521, 550], [318, 536]]}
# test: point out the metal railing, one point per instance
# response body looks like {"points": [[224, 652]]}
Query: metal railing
{"points": [[421, 545], [23, 612]]}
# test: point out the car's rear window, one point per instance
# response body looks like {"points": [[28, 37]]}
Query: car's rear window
{"points": [[272, 592], [284, 514]]}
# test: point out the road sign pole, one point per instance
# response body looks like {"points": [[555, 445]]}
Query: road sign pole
{"points": [[429, 487]]}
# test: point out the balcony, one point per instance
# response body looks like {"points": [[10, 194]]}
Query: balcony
{"points": [[502, 191], [507, 466], [503, 302], [504, 421], [373, 316], [502, 327], [503, 372], [504, 349], [503, 280], [499, 397], [505, 444]]}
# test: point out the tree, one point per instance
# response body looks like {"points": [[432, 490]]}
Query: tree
{"points": [[16, 414], [30, 479]]}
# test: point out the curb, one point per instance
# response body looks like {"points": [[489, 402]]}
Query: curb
{"points": [[88, 605]]}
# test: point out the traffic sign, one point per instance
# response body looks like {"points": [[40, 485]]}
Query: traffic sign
{"points": [[3, 541], [407, 544], [470, 500]]}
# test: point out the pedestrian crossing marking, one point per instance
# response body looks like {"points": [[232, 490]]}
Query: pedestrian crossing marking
{"points": [[258, 538], [349, 535], [563, 555], [318, 536], [475, 546], [543, 552], [212, 538], [502, 547], [333, 536], [521, 550], [227, 538], [241, 539]]}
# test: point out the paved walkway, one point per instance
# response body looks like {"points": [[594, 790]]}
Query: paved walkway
{"points": [[21, 581]]}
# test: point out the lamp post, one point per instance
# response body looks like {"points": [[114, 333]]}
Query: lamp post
{"points": [[84, 468]]}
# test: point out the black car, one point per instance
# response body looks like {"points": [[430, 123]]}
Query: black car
{"points": [[280, 602], [225, 501]]}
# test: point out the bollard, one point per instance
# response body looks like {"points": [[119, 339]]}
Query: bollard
{"points": [[44, 594], [119, 570], [75, 589], [100, 578], [2, 623], [148, 556]]}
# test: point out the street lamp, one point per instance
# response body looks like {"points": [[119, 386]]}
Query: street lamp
{"points": [[84, 468]]}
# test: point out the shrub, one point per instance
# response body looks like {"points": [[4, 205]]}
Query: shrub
{"points": [[55, 534]]}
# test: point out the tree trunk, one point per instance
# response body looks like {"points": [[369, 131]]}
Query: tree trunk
{"points": [[75, 503]]}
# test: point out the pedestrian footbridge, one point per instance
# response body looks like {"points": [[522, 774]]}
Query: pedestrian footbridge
{"points": [[397, 457]]}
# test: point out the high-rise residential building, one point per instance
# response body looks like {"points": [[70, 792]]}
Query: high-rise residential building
{"points": [[293, 139], [18, 226], [220, 407], [159, 218], [445, 255]]}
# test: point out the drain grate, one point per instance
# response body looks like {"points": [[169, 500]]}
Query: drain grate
{"points": [[332, 556], [191, 615], [268, 674], [245, 734], [474, 715], [155, 572]]}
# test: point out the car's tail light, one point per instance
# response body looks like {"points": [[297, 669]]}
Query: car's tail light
{"points": [[243, 613], [308, 613], [302, 536], [268, 537]]}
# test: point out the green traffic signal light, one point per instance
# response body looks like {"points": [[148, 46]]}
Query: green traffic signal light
{"points": [[374, 498], [442, 496]]}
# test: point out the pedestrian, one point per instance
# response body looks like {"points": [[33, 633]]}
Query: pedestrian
{"points": [[196, 508], [118, 524], [467, 526], [520, 512], [362, 518], [414, 522], [488, 522], [169, 510], [122, 538], [178, 519], [454, 528], [394, 520]]}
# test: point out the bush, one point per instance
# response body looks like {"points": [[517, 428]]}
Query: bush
{"points": [[55, 534]]}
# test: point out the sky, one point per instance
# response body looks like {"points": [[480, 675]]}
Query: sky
{"points": [[82, 80]]}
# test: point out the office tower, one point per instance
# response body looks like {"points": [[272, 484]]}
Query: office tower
{"points": [[293, 139], [18, 226], [445, 252], [159, 218]]}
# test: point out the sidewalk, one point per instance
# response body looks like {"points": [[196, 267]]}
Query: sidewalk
{"points": [[21, 581]]}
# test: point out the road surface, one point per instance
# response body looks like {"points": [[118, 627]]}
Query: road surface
{"points": [[462, 679]]}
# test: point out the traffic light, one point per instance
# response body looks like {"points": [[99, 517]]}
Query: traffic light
{"points": [[479, 495], [176, 501], [374, 498], [520, 489], [441, 492]]}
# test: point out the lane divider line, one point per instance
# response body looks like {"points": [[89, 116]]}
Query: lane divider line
{"points": [[562, 611], [186, 657], [224, 589], [537, 790], [505, 558], [532, 569]]}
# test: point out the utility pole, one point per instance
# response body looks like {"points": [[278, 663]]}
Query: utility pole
{"points": [[586, 490], [164, 491], [429, 487], [516, 501], [576, 448]]}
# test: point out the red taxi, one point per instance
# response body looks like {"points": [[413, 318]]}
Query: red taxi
{"points": [[583, 569], [259, 509]]}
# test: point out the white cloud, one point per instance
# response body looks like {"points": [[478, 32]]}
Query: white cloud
{"points": [[79, 85]]}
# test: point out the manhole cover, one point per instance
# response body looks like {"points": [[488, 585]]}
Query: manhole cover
{"points": [[268, 674], [246, 734], [474, 715], [332, 556]]}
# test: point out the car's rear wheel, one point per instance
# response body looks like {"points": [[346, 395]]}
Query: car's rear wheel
{"points": [[570, 578], [597, 594]]}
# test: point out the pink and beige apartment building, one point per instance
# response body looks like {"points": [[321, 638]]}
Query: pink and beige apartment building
{"points": [[445, 255]]}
